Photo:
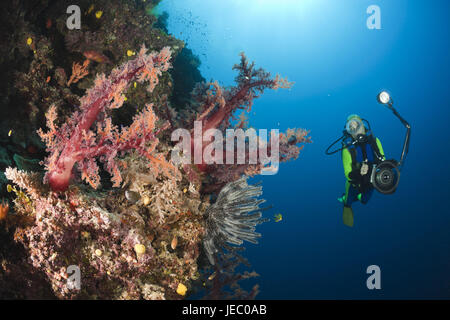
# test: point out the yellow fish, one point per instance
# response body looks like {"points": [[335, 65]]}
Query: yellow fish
{"points": [[98, 14], [278, 217]]}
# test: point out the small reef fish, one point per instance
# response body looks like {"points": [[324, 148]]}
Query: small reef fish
{"points": [[278, 217], [31, 44], [212, 276], [96, 56], [174, 243]]}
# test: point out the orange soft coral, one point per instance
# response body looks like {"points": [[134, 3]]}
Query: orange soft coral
{"points": [[78, 72]]}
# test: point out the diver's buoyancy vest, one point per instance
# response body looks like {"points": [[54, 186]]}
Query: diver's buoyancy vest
{"points": [[368, 150]]}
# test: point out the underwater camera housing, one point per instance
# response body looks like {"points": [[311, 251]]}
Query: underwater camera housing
{"points": [[385, 176]]}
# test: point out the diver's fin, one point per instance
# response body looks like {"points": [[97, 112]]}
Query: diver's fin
{"points": [[342, 198], [347, 216]]}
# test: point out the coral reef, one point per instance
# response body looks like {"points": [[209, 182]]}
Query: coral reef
{"points": [[101, 233], [153, 230]]}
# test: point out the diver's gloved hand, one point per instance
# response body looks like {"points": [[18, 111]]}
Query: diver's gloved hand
{"points": [[364, 169], [355, 177]]}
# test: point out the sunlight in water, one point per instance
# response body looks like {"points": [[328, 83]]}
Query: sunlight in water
{"points": [[276, 7], [277, 15]]}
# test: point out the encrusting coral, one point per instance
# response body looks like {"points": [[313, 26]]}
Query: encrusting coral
{"points": [[120, 248]]}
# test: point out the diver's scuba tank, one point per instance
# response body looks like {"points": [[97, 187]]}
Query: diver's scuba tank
{"points": [[385, 175]]}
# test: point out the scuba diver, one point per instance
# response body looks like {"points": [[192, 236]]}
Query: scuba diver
{"points": [[358, 159], [365, 165]]}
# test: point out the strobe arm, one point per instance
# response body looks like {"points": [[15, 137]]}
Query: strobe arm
{"points": [[408, 134]]}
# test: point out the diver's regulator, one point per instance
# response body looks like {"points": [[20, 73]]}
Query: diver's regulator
{"points": [[385, 175]]}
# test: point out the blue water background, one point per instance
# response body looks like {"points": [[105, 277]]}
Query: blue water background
{"points": [[339, 66]]}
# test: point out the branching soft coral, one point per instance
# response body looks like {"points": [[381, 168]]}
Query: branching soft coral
{"points": [[217, 109], [218, 104], [78, 71], [78, 141]]}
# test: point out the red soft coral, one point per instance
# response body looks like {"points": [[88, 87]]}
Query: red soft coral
{"points": [[78, 141], [218, 106]]}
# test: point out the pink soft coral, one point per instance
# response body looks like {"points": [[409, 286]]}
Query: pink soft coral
{"points": [[78, 141]]}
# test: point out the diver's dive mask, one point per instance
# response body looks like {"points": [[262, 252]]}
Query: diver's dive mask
{"points": [[355, 131], [354, 126]]}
